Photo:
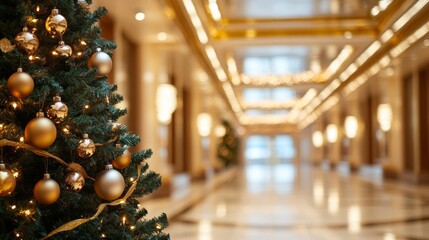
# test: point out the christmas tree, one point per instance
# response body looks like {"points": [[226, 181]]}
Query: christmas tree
{"points": [[58, 132], [228, 147]]}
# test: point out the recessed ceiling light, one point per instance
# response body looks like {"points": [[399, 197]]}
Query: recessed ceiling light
{"points": [[140, 16], [390, 71], [348, 35], [375, 10], [162, 36]]}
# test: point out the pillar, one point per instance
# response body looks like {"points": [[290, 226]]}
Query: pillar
{"points": [[334, 149], [394, 164], [149, 71], [356, 147]]}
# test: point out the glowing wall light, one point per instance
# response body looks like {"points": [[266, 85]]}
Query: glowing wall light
{"points": [[351, 126], [331, 133], [166, 102], [317, 139], [204, 124], [220, 130], [384, 116]]}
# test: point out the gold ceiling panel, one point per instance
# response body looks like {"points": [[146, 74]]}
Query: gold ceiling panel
{"points": [[226, 29], [337, 32]]}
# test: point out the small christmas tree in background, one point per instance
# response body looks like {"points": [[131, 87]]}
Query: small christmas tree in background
{"points": [[228, 147], [58, 134]]}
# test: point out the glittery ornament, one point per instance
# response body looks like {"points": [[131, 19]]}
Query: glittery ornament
{"points": [[27, 42], [56, 24], [86, 147], [57, 111], [63, 50], [74, 181]]}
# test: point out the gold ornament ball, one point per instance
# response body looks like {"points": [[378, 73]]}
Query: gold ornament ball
{"points": [[109, 184], [27, 42], [74, 181], [56, 24], [20, 84], [83, 4], [47, 190], [85, 147], [40, 131], [57, 111], [122, 161], [101, 61], [7, 181], [63, 50]]}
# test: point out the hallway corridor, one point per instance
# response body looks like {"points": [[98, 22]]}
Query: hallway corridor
{"points": [[284, 202]]}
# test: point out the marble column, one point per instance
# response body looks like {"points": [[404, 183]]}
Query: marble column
{"points": [[356, 146], [334, 149], [149, 72], [317, 152], [394, 164]]}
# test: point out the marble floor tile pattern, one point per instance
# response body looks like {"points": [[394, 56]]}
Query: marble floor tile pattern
{"points": [[287, 202]]}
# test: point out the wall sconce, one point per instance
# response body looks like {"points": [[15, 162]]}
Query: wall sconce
{"points": [[166, 102], [384, 116], [204, 124], [317, 139], [351, 126], [220, 131], [331, 133]]}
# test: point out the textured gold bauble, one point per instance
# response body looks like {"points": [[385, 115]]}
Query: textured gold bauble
{"points": [[122, 161], [83, 4], [109, 184], [40, 131], [27, 42], [20, 84], [47, 190], [102, 62], [74, 181], [63, 50], [57, 111], [7, 181], [85, 147], [56, 24]]}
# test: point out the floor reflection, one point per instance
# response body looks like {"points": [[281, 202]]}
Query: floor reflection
{"points": [[285, 202], [262, 178]]}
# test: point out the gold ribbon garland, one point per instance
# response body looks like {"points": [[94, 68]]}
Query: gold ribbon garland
{"points": [[110, 141], [74, 166], [5, 142], [71, 166], [5, 45], [75, 223]]}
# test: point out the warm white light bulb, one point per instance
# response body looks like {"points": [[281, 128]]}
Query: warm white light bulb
{"points": [[317, 139], [204, 124], [162, 36], [331, 133], [351, 126], [140, 16], [384, 116]]}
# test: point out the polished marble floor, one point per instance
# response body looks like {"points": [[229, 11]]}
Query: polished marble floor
{"points": [[287, 202]]}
